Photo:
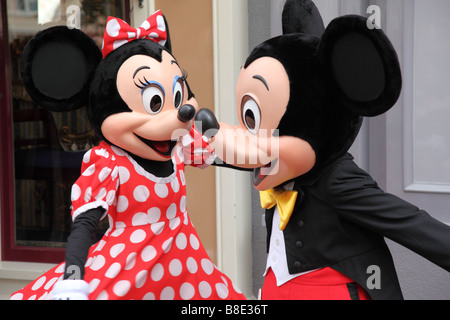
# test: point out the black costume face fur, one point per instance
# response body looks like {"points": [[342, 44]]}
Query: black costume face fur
{"points": [[336, 76], [104, 99]]}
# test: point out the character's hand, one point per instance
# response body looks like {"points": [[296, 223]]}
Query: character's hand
{"points": [[71, 290], [196, 149], [206, 123]]}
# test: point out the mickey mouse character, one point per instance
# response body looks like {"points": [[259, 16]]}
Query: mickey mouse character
{"points": [[137, 99], [326, 218]]}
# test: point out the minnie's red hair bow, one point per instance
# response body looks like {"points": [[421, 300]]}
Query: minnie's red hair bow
{"points": [[118, 32]]}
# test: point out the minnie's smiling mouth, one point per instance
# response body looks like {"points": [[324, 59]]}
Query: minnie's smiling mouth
{"points": [[163, 148]]}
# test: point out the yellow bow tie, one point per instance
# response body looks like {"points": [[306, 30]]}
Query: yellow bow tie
{"points": [[285, 201]]}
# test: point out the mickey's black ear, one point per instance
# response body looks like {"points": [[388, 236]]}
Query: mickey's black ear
{"points": [[168, 44], [302, 16], [57, 66], [361, 64]]}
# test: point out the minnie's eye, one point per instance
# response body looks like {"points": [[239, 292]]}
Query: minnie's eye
{"points": [[177, 94], [251, 115], [153, 99]]}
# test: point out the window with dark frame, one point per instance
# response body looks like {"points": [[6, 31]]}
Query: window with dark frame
{"points": [[41, 151]]}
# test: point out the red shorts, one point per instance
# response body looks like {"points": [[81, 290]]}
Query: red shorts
{"points": [[323, 284]]}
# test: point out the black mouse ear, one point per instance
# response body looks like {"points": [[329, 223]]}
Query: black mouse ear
{"points": [[361, 64], [168, 44], [302, 16], [57, 66]]}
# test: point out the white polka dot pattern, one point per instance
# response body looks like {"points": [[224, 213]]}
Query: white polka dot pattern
{"points": [[151, 250], [118, 32]]}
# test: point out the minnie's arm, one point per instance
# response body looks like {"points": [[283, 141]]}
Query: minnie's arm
{"points": [[90, 201], [79, 242], [73, 287]]}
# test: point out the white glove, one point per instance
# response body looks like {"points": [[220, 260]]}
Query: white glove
{"points": [[71, 290], [196, 150]]}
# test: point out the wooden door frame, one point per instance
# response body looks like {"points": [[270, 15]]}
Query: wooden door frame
{"points": [[233, 188]]}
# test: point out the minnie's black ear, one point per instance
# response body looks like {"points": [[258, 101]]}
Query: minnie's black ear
{"points": [[302, 16], [361, 64], [168, 44], [57, 66]]}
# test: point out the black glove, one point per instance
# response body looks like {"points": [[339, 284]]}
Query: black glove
{"points": [[79, 242]]}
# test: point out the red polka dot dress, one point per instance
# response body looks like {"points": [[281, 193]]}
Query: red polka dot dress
{"points": [[151, 250]]}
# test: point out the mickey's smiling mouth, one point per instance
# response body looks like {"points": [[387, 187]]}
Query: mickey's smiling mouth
{"points": [[163, 148], [259, 174]]}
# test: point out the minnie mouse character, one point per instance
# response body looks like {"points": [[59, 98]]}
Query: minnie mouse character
{"points": [[326, 218], [137, 100]]}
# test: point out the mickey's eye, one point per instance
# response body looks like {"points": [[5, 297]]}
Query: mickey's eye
{"points": [[153, 98], [251, 114], [178, 94]]}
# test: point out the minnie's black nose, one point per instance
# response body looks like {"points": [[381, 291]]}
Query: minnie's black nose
{"points": [[186, 113]]}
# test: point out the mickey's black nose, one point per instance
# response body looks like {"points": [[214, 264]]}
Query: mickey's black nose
{"points": [[186, 113], [207, 122]]}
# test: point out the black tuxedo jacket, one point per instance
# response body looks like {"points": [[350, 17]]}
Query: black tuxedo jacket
{"points": [[340, 220]]}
